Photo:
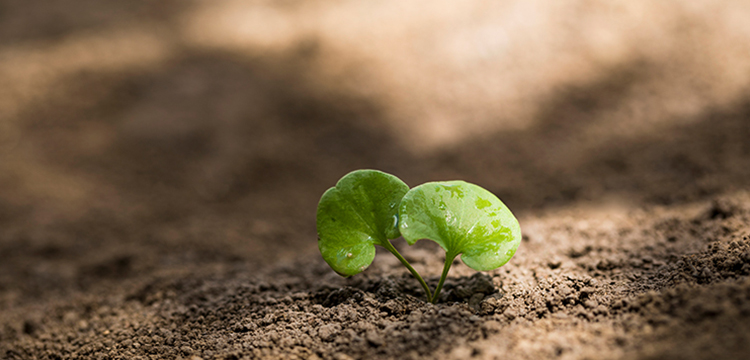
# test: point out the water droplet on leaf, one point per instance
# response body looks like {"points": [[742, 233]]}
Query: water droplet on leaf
{"points": [[455, 190], [482, 203]]}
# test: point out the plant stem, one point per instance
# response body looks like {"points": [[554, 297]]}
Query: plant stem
{"points": [[448, 261], [387, 244]]}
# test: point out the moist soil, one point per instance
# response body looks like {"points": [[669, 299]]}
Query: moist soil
{"points": [[165, 209]]}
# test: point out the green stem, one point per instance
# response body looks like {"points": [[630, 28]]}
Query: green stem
{"points": [[448, 261], [387, 244]]}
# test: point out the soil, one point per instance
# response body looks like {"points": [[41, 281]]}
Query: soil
{"points": [[158, 195]]}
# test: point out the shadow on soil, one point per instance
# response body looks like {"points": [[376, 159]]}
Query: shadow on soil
{"points": [[215, 163]]}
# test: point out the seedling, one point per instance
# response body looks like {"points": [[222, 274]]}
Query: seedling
{"points": [[369, 207], [462, 218], [361, 211]]}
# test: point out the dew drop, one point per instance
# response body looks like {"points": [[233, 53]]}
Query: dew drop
{"points": [[482, 203], [455, 190], [509, 253], [395, 220], [349, 255]]}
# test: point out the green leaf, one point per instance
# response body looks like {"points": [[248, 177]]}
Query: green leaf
{"points": [[462, 218], [359, 212]]}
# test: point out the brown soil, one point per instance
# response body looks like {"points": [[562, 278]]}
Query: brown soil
{"points": [[158, 185]]}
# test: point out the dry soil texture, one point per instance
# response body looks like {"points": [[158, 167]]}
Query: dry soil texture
{"points": [[161, 162]]}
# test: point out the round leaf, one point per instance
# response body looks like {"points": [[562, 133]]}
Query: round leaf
{"points": [[462, 218], [358, 213]]}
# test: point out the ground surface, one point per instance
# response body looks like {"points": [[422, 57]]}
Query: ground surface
{"points": [[160, 165]]}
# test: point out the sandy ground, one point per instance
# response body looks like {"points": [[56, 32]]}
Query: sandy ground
{"points": [[161, 162]]}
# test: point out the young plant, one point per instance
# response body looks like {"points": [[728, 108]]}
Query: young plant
{"points": [[361, 211], [369, 207], [464, 219]]}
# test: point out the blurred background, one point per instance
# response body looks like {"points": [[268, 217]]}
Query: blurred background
{"points": [[141, 137]]}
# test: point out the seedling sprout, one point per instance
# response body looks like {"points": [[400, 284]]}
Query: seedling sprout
{"points": [[369, 207]]}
